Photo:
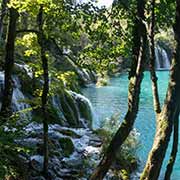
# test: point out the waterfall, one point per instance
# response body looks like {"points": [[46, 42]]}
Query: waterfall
{"points": [[162, 59], [72, 109], [57, 104], [25, 68], [86, 75], [17, 98], [85, 109]]}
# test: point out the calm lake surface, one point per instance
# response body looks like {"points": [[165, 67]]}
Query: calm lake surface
{"points": [[111, 99]]}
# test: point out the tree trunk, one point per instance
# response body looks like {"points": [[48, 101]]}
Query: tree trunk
{"points": [[166, 117], [157, 106], [44, 97], [172, 159], [3, 13], [135, 76], [6, 110]]}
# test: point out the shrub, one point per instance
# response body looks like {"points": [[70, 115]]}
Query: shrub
{"points": [[126, 158]]}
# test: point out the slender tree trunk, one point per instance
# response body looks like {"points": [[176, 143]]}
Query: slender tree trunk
{"points": [[9, 63], [157, 106], [44, 97], [166, 117], [135, 76], [172, 159], [2, 15]]}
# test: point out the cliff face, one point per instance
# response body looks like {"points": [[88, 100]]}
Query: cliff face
{"points": [[65, 107]]}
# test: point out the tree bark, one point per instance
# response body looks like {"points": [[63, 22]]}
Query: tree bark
{"points": [[3, 13], [135, 76], [166, 117], [6, 110], [44, 98], [172, 159], [157, 106]]}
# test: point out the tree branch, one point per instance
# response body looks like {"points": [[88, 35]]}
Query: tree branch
{"points": [[27, 31]]}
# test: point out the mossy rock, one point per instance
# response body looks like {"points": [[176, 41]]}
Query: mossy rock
{"points": [[72, 103], [85, 112], [84, 109], [102, 82], [103, 134], [53, 115], [134, 164], [67, 146], [125, 174], [68, 132], [69, 108], [27, 83]]}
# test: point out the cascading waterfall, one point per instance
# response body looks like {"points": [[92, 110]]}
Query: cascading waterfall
{"points": [[85, 108], [72, 108], [17, 99], [57, 104], [78, 108], [162, 59]]}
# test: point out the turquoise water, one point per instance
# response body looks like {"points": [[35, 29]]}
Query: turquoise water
{"points": [[113, 98]]}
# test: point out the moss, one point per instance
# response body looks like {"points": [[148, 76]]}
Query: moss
{"points": [[72, 103], [56, 153], [102, 82], [53, 115], [67, 146], [69, 109], [103, 134], [163, 125], [85, 112], [69, 132], [37, 115], [124, 174], [26, 81]]}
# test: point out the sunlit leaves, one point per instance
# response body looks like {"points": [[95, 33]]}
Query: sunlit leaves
{"points": [[27, 40], [28, 45], [31, 6]]}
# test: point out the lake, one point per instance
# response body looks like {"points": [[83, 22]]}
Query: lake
{"points": [[112, 99]]}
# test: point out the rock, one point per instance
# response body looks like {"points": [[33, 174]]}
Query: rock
{"points": [[38, 178], [51, 174], [70, 109], [75, 161], [29, 142], [67, 146], [57, 178], [69, 132], [36, 162], [85, 109], [68, 174]]}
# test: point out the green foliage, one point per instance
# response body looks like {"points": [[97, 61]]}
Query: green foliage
{"points": [[27, 46], [126, 158], [102, 81], [67, 146], [11, 163], [69, 80], [165, 39], [165, 14]]}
